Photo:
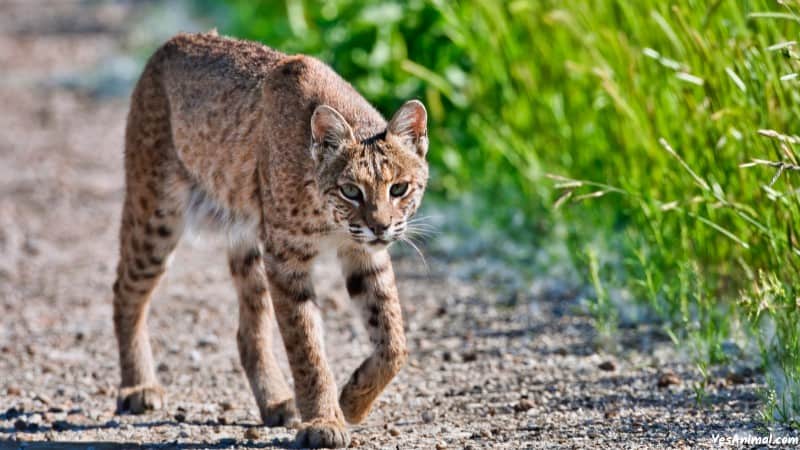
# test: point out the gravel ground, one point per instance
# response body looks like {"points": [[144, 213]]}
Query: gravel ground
{"points": [[490, 367]]}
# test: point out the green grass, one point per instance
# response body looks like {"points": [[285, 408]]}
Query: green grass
{"points": [[643, 112]]}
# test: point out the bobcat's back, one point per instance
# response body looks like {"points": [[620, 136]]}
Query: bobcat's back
{"points": [[230, 103]]}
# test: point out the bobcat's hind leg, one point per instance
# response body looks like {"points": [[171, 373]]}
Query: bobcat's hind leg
{"points": [[255, 337], [151, 228], [152, 223]]}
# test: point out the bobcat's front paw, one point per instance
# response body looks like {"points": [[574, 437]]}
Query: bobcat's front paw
{"points": [[323, 433], [281, 414], [355, 403], [141, 398]]}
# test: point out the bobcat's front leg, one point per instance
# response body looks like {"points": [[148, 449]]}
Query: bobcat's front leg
{"points": [[371, 284], [254, 337], [298, 320]]}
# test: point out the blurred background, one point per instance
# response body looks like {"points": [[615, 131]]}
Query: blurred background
{"points": [[641, 153]]}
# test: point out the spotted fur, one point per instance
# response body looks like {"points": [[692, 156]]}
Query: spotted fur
{"points": [[288, 160]]}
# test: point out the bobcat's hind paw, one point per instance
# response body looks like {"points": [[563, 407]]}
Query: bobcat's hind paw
{"points": [[281, 414]]}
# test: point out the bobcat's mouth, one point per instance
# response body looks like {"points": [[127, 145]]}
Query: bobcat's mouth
{"points": [[378, 241], [364, 236]]}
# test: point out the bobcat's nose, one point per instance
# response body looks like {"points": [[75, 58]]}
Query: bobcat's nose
{"points": [[378, 228]]}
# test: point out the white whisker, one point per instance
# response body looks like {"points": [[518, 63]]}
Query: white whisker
{"points": [[421, 232], [420, 220], [423, 229], [418, 226], [419, 252]]}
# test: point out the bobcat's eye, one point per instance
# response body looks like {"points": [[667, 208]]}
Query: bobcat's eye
{"points": [[399, 189], [351, 191]]}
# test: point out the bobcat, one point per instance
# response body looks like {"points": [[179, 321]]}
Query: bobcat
{"points": [[288, 160]]}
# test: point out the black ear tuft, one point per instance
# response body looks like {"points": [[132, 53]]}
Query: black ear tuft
{"points": [[410, 125]]}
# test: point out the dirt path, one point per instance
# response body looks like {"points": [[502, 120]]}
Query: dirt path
{"points": [[490, 366]]}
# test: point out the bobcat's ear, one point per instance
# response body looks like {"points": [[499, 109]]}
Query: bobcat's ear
{"points": [[410, 125], [329, 131]]}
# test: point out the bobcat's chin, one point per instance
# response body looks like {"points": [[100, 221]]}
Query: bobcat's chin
{"points": [[377, 245], [373, 244]]}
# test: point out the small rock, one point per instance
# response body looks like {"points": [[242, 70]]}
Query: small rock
{"points": [[354, 442], [13, 390], [252, 434], [208, 408], [31, 247], [668, 378], [469, 356], [112, 424], [740, 376], [394, 431], [428, 416], [523, 405], [180, 417], [608, 366], [736, 378], [611, 413], [42, 398], [162, 367], [222, 420], [441, 446], [12, 413], [226, 405], [183, 434], [61, 425], [504, 409], [208, 341], [20, 425], [79, 397]]}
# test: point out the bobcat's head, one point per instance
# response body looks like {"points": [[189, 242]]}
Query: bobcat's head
{"points": [[372, 187]]}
